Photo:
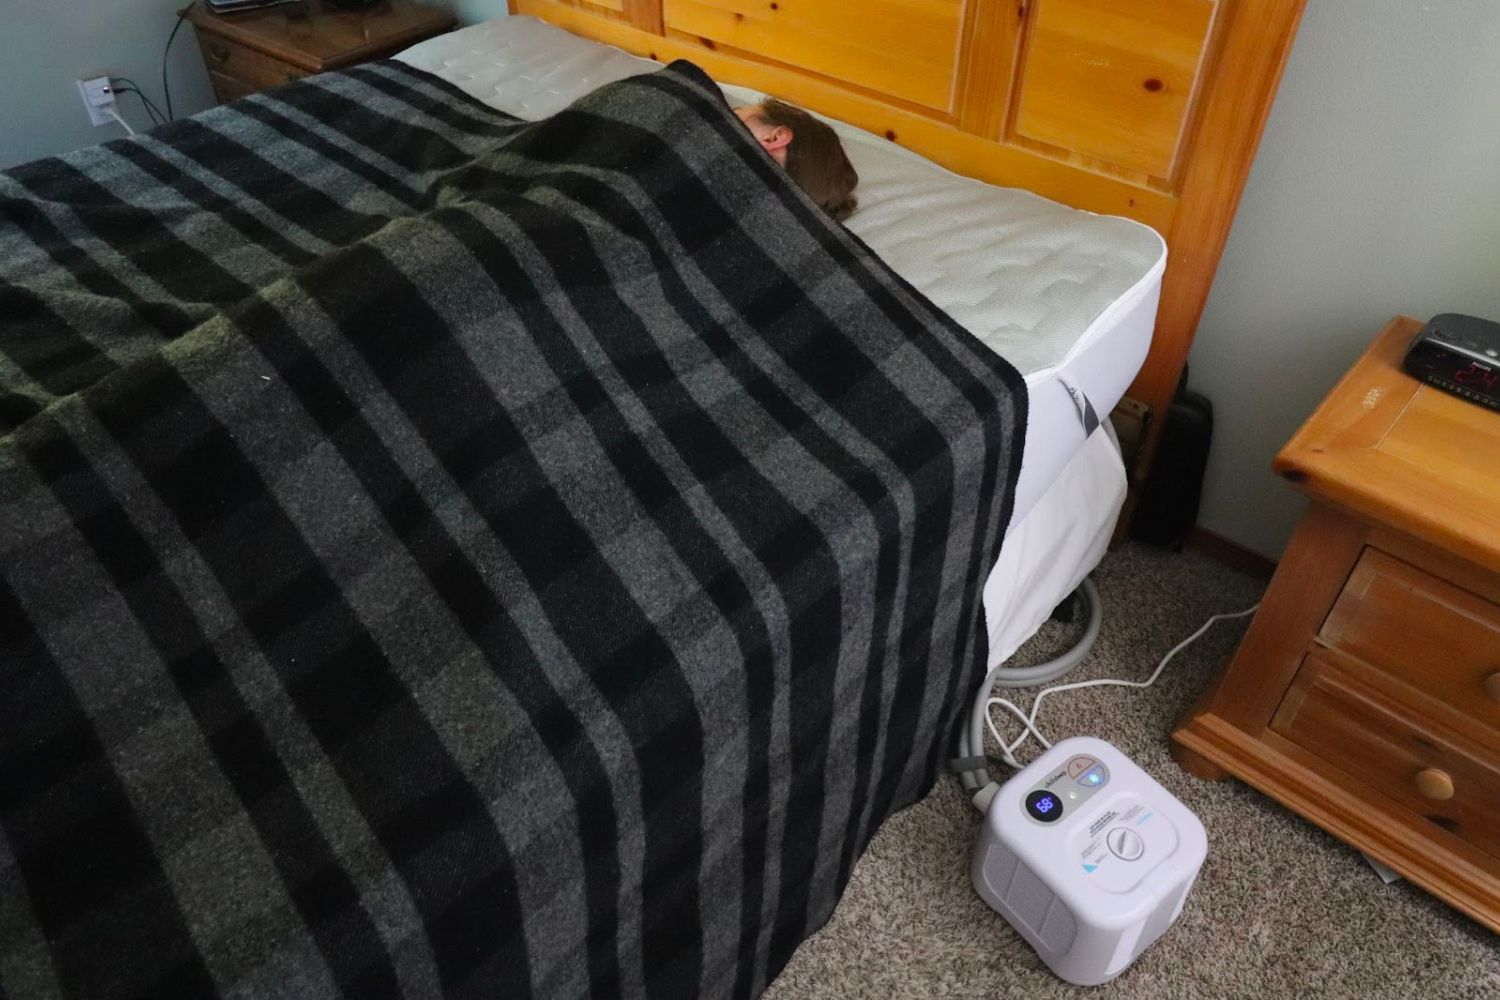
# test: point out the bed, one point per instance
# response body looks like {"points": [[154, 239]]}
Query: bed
{"points": [[452, 554], [1068, 297]]}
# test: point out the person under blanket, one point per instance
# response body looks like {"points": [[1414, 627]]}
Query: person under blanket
{"points": [[809, 150]]}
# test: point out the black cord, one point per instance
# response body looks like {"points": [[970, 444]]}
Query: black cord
{"points": [[166, 88], [151, 110], [157, 118], [131, 90], [131, 83]]}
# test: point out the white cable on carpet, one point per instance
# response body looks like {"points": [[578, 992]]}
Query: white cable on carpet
{"points": [[1029, 720]]}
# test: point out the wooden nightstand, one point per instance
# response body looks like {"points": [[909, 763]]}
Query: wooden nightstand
{"points": [[1366, 694], [260, 49]]}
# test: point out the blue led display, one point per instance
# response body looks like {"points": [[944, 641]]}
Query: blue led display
{"points": [[1044, 806]]}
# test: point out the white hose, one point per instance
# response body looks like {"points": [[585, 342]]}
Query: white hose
{"points": [[971, 740]]}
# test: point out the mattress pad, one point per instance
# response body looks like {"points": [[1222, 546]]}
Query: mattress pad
{"points": [[1068, 297], [1026, 275]]}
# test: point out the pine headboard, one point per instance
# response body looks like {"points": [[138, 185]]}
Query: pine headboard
{"points": [[1150, 109]]}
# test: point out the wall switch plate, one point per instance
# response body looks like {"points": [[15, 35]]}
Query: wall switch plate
{"points": [[98, 98]]}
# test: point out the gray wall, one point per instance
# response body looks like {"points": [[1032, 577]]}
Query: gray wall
{"points": [[48, 44], [473, 11], [1376, 191]]}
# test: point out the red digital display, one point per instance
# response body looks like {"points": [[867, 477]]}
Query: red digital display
{"points": [[1476, 375]]}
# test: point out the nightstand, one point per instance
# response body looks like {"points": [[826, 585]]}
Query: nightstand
{"points": [[1366, 693], [260, 49]]}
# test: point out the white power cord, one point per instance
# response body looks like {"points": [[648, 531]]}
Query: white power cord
{"points": [[1028, 720], [115, 114], [970, 764]]}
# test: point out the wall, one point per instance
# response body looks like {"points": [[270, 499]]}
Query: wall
{"points": [[1374, 193], [48, 44], [473, 11]]}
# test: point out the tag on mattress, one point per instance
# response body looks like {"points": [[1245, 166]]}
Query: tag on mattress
{"points": [[1086, 414]]}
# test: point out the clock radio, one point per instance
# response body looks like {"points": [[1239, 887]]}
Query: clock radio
{"points": [[1459, 354], [1088, 858]]}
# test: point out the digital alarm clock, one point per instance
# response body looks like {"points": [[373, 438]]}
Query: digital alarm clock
{"points": [[1088, 858], [1459, 354]]}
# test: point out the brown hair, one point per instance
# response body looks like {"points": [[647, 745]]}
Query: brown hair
{"points": [[815, 159]]}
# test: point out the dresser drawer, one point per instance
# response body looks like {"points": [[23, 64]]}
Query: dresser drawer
{"points": [[227, 88], [241, 64], [1448, 780], [1428, 633]]}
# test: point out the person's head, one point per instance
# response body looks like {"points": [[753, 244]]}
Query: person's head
{"points": [[808, 149]]}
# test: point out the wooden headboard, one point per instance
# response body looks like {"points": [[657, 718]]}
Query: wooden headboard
{"points": [[1150, 109]]}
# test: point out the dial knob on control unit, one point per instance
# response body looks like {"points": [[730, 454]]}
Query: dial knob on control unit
{"points": [[1125, 843]]}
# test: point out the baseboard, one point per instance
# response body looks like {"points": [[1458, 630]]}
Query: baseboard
{"points": [[1232, 554]]}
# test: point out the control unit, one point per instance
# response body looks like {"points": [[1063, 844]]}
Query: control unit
{"points": [[1088, 858]]}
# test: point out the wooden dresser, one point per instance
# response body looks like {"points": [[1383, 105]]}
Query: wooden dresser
{"points": [[1366, 693], [261, 49]]}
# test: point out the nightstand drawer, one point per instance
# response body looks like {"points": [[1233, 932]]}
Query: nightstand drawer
{"points": [[1432, 635], [227, 88], [256, 50], [1452, 783], [243, 65]]}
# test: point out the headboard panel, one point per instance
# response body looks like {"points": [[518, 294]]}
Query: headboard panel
{"points": [[906, 51], [1110, 81], [1150, 109]]}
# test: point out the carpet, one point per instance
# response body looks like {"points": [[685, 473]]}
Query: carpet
{"points": [[1281, 909]]}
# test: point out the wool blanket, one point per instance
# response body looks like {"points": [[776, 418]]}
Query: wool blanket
{"points": [[446, 555]]}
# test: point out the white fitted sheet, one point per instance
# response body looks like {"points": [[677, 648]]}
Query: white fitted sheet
{"points": [[1066, 296], [1049, 550]]}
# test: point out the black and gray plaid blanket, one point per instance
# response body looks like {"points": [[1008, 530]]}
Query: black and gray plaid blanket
{"points": [[446, 555]]}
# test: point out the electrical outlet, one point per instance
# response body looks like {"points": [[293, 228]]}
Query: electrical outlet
{"points": [[98, 98]]}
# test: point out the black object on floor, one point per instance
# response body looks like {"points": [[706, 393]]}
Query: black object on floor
{"points": [[1168, 508]]}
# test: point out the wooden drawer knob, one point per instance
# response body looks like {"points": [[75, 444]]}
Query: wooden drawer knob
{"points": [[1434, 784], [1492, 686], [219, 53]]}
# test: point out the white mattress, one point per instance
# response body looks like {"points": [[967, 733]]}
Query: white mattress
{"points": [[1066, 296]]}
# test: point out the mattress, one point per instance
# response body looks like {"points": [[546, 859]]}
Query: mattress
{"points": [[1066, 296]]}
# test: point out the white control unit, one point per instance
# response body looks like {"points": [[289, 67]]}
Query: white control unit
{"points": [[1088, 858]]}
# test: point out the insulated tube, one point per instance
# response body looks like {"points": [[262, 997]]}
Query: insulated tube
{"points": [[971, 741]]}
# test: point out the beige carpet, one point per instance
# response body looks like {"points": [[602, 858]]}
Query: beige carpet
{"points": [[1281, 909]]}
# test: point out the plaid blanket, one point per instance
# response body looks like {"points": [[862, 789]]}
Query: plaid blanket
{"points": [[447, 555]]}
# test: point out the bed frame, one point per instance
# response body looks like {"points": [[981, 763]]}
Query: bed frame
{"points": [[1150, 109]]}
